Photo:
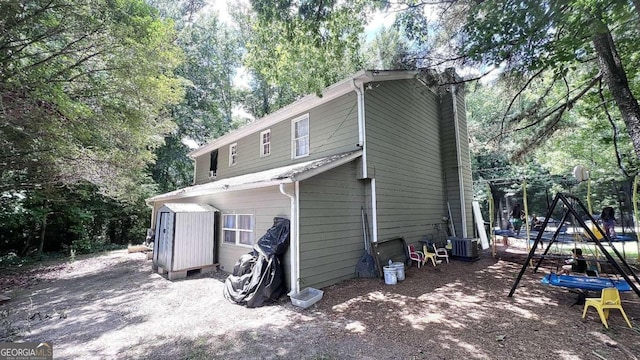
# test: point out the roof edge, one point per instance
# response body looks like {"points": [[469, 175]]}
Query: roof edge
{"points": [[202, 189]]}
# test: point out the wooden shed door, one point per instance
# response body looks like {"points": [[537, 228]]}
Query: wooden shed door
{"points": [[165, 239]]}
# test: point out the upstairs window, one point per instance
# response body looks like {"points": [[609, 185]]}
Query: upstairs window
{"points": [[300, 136], [265, 143], [233, 154], [213, 164], [237, 229]]}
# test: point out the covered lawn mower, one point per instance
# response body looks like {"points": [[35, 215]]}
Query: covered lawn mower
{"points": [[258, 277]]}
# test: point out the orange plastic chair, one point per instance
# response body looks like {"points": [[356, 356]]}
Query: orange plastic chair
{"points": [[416, 255], [610, 300]]}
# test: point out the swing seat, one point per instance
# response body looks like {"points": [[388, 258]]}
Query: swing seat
{"points": [[585, 282], [610, 300]]}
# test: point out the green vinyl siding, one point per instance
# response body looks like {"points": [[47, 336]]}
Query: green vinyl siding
{"points": [[450, 162], [466, 158], [331, 236], [450, 159], [404, 156], [202, 164], [333, 129]]}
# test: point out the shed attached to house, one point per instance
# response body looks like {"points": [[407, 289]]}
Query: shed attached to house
{"points": [[185, 239]]}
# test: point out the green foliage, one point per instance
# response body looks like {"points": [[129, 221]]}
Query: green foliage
{"points": [[305, 45], [586, 141], [211, 55], [540, 34], [78, 218], [552, 52], [386, 51], [84, 88]]}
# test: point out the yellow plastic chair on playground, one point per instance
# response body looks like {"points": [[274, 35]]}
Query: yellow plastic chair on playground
{"points": [[610, 300]]}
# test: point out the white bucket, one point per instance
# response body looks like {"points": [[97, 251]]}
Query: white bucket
{"points": [[390, 275], [399, 270]]}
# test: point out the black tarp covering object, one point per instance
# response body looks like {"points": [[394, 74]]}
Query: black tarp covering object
{"points": [[258, 277]]}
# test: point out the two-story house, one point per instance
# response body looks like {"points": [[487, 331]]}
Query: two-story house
{"points": [[385, 141]]}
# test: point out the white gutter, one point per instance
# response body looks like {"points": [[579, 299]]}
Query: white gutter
{"points": [[358, 91], [294, 283], [463, 208], [181, 194]]}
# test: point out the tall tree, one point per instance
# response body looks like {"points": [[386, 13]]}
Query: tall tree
{"points": [[559, 52], [305, 45], [212, 54], [83, 89], [387, 50], [580, 43]]}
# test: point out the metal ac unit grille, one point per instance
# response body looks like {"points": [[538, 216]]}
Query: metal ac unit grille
{"points": [[464, 247]]}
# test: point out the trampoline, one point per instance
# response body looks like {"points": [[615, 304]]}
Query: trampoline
{"points": [[624, 237], [584, 282]]}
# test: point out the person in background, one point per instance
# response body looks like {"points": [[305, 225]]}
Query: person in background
{"points": [[608, 221], [576, 263], [535, 223], [516, 218]]}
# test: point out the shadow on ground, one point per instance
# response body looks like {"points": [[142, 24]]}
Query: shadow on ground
{"points": [[114, 306]]}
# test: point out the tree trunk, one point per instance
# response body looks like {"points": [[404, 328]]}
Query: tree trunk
{"points": [[615, 77], [43, 226], [27, 244], [636, 6]]}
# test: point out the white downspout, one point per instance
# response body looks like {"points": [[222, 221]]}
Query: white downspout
{"points": [[362, 134], [294, 283], [195, 171], [374, 211], [463, 208]]}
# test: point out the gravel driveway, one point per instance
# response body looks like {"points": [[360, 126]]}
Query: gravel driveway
{"points": [[113, 306]]}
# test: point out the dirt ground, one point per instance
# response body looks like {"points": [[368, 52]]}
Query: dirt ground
{"points": [[113, 306]]}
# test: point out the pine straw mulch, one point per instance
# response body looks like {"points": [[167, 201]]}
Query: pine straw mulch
{"points": [[113, 306]]}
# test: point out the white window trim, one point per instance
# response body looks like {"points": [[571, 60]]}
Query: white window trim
{"points": [[293, 136], [233, 157], [262, 143], [238, 231]]}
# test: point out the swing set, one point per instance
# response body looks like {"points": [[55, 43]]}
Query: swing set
{"points": [[572, 281]]}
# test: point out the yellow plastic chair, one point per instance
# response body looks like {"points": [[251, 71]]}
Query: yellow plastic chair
{"points": [[430, 256], [610, 300]]}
